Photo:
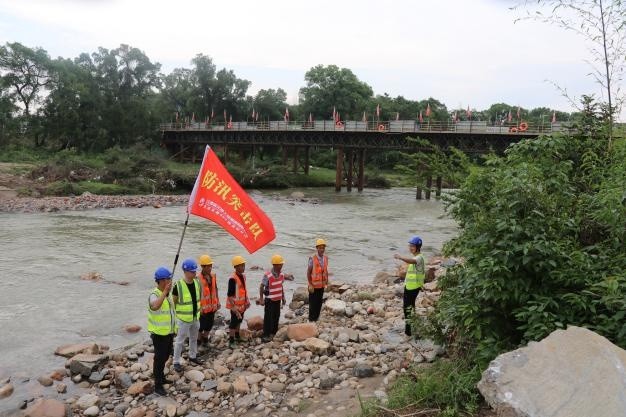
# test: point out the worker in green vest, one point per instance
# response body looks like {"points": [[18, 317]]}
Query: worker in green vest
{"points": [[186, 296], [161, 325], [413, 281]]}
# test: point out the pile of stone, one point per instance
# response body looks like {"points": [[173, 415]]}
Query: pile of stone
{"points": [[359, 336]]}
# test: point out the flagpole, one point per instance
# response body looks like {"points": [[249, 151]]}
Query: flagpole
{"points": [[180, 244]]}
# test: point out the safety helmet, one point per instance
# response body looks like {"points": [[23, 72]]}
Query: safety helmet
{"points": [[238, 260], [189, 265], [162, 273], [320, 242], [416, 240], [205, 260], [277, 260]]}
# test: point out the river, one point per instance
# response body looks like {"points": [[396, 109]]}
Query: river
{"points": [[44, 303]]}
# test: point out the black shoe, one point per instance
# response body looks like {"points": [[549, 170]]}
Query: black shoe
{"points": [[166, 381], [266, 339], [178, 367], [197, 361], [159, 390]]}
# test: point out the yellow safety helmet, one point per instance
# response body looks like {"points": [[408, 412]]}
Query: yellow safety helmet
{"points": [[238, 260], [205, 260], [320, 242], [277, 260]]}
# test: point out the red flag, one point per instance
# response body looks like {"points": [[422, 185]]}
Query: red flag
{"points": [[378, 111], [428, 110], [518, 112], [553, 116], [286, 114], [468, 112], [509, 117], [218, 197], [310, 118], [420, 117]]}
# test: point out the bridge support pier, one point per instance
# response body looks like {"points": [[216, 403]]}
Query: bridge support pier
{"points": [[339, 170], [360, 175], [295, 159], [350, 156], [307, 163]]}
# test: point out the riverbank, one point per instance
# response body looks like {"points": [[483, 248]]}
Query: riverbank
{"points": [[354, 352]]}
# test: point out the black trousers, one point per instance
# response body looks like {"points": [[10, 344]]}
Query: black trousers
{"points": [[315, 303], [163, 348], [409, 307], [272, 315], [206, 321]]}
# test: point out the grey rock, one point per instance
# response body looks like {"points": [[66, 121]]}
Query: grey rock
{"points": [[363, 370], [301, 294], [123, 380], [120, 409], [96, 377], [570, 373], [209, 384], [245, 402]]}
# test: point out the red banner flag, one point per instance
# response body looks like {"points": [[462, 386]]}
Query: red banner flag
{"points": [[509, 117], [421, 119], [428, 110], [518, 112], [468, 112], [310, 118], [216, 196], [378, 111], [553, 116]]}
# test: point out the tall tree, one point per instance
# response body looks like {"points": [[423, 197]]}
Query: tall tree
{"points": [[602, 23], [25, 72], [331, 86], [271, 103]]}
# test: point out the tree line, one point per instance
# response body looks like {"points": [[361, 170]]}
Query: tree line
{"points": [[117, 97]]}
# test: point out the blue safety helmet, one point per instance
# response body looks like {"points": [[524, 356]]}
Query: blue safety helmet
{"points": [[415, 240], [162, 273], [189, 265]]}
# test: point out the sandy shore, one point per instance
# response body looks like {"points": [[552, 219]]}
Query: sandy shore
{"points": [[88, 201]]}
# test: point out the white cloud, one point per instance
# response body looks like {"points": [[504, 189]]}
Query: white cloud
{"points": [[463, 52]]}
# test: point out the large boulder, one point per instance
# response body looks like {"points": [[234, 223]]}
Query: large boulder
{"points": [[302, 331], [570, 373], [255, 323], [337, 307], [69, 351], [85, 363], [301, 294], [46, 407]]}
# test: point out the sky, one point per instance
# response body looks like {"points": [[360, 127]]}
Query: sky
{"points": [[461, 52]]}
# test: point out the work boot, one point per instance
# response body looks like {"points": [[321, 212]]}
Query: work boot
{"points": [[178, 367], [159, 390], [197, 361], [232, 344]]}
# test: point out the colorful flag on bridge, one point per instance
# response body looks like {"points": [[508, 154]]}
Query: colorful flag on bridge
{"points": [[509, 117], [428, 110], [468, 112], [286, 117], [216, 196], [420, 117], [553, 116], [310, 118]]}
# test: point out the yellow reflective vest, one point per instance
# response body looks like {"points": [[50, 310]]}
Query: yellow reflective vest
{"points": [[184, 304], [415, 278], [162, 321]]}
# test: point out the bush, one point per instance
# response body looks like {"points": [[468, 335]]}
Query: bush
{"points": [[542, 232]]}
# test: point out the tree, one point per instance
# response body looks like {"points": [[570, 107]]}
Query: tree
{"points": [[331, 86], [25, 73], [271, 103], [602, 24]]}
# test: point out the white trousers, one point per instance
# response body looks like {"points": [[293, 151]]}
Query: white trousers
{"points": [[186, 330]]}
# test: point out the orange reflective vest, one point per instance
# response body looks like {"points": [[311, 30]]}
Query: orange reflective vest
{"points": [[241, 301], [209, 300], [275, 286], [319, 274]]}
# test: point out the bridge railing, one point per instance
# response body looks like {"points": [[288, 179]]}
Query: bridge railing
{"points": [[389, 126]]}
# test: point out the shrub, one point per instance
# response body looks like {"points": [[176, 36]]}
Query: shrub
{"points": [[542, 232]]}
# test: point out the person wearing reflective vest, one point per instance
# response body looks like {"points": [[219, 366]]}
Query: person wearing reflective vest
{"points": [[161, 325], [413, 281], [237, 300], [209, 298], [317, 276], [186, 296], [272, 296]]}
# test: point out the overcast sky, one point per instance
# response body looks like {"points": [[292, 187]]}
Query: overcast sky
{"points": [[462, 52]]}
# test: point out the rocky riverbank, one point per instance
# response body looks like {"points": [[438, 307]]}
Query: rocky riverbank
{"points": [[356, 350], [88, 201]]}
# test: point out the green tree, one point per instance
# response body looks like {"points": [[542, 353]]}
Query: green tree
{"points": [[331, 86], [25, 74], [271, 103]]}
